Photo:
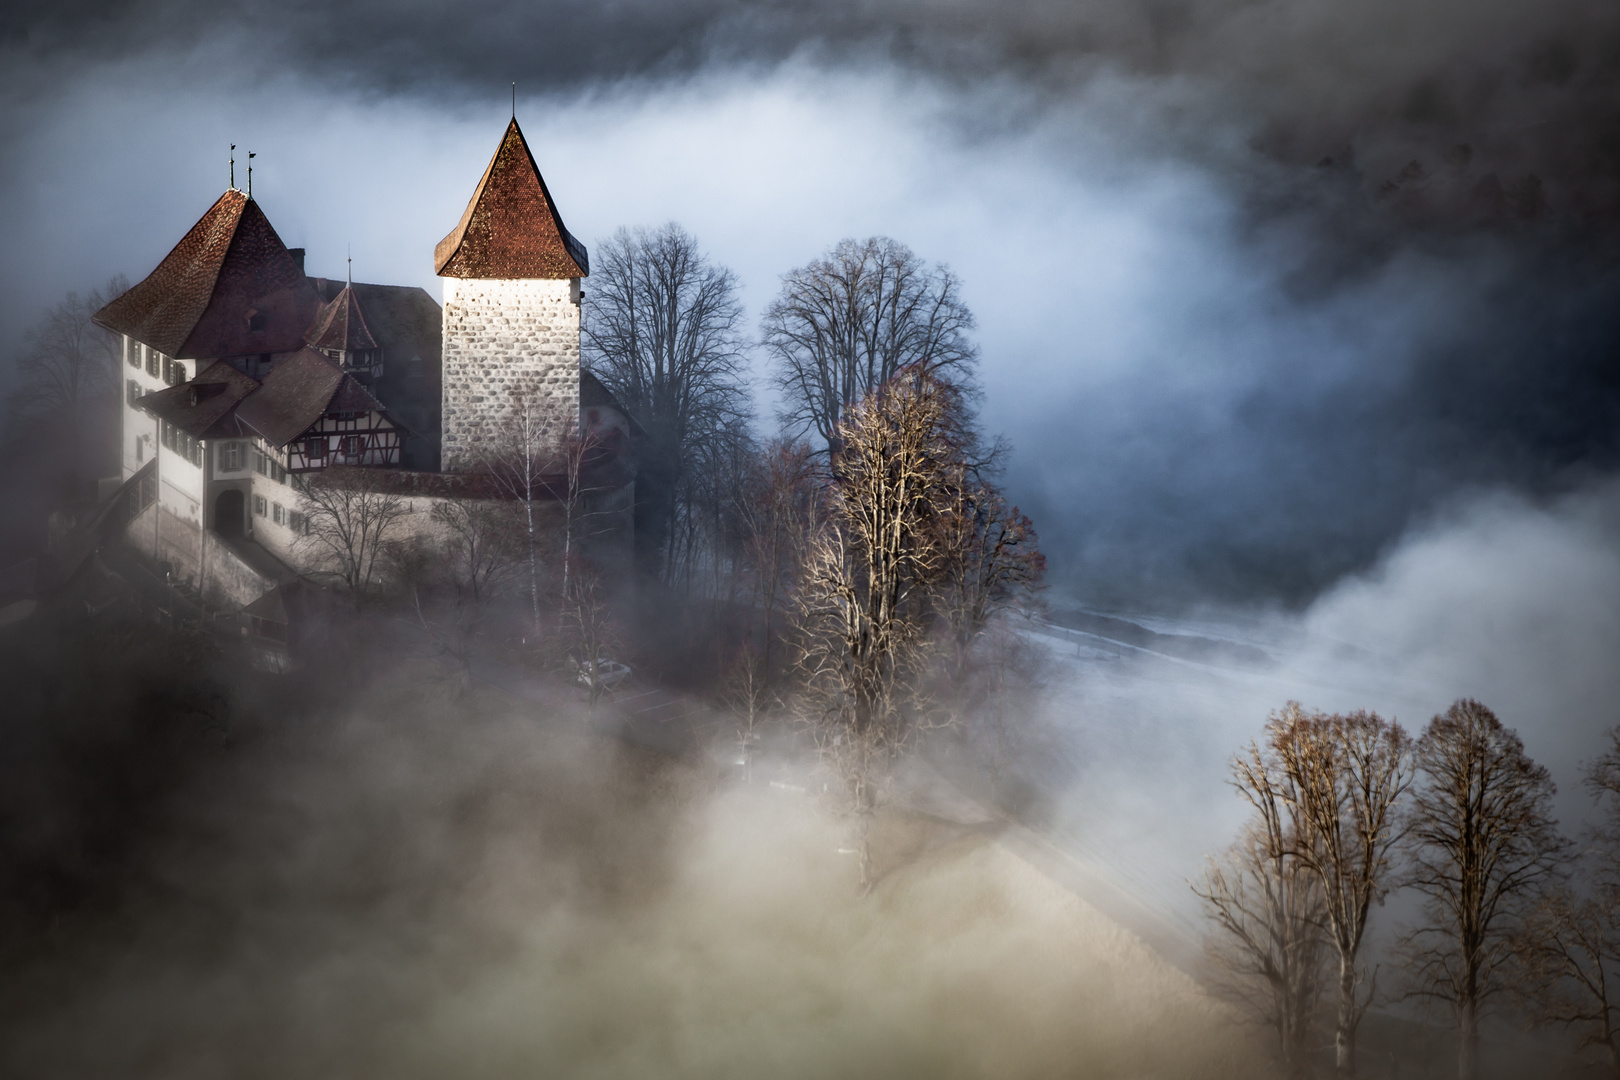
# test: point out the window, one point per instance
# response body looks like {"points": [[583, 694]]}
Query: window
{"points": [[230, 457], [135, 354], [315, 449], [152, 359], [278, 513], [297, 523], [177, 440], [265, 465], [258, 505], [174, 372], [352, 446], [133, 389], [256, 320]]}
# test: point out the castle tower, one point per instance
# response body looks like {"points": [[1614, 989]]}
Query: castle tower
{"points": [[511, 309]]}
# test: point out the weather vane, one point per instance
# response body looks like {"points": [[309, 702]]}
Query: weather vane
{"points": [[251, 156], [233, 166]]}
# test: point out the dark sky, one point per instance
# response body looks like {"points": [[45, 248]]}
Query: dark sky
{"points": [[1260, 286]]}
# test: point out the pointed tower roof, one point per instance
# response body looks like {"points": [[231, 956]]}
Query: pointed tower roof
{"points": [[511, 228], [229, 288], [342, 325]]}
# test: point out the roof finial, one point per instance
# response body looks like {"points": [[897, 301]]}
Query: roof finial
{"points": [[514, 99], [351, 265], [233, 166], [251, 156]]}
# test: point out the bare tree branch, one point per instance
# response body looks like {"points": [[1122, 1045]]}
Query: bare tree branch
{"points": [[1484, 848], [1346, 775], [663, 330], [349, 524], [847, 322], [1269, 912]]}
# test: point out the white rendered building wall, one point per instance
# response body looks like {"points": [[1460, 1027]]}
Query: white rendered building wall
{"points": [[507, 342]]}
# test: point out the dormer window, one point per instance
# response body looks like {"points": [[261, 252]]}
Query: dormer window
{"points": [[256, 320]]}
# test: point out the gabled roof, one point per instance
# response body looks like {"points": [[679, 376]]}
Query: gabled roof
{"points": [[297, 393], [229, 288], [202, 407], [342, 325], [511, 228]]}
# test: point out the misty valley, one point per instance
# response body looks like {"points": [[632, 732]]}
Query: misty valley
{"points": [[1006, 541]]}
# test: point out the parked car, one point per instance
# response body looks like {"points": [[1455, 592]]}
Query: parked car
{"points": [[605, 674]]}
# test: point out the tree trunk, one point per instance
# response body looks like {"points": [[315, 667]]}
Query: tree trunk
{"points": [[1467, 1041], [1344, 1035], [534, 567]]}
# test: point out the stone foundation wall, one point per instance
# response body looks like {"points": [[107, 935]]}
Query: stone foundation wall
{"points": [[507, 343], [196, 559]]}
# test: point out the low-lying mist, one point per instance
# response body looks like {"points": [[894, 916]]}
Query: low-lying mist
{"points": [[1511, 601], [417, 884]]}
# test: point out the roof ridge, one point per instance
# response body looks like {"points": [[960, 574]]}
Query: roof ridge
{"points": [[511, 227], [229, 287]]}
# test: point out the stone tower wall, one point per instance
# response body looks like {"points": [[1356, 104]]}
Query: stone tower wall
{"points": [[505, 339]]}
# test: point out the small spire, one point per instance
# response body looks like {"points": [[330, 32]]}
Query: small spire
{"points": [[233, 166], [251, 156]]}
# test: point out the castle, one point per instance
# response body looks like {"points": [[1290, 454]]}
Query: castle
{"points": [[244, 375]]}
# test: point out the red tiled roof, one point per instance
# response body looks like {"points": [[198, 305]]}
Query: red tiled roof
{"points": [[342, 325], [297, 393], [229, 288], [511, 228]]}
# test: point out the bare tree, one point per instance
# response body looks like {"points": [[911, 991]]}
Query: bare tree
{"points": [[662, 330], [992, 562], [1570, 945], [861, 613], [517, 458], [777, 504], [68, 363], [67, 371], [590, 632], [349, 524], [1270, 915], [847, 322], [479, 545], [747, 692], [1346, 775], [454, 576], [1484, 848]]}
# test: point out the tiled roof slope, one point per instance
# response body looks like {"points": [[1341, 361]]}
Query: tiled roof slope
{"points": [[229, 288], [203, 407], [511, 228], [296, 394], [342, 325]]}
